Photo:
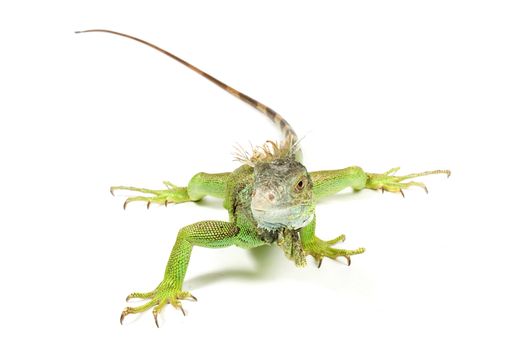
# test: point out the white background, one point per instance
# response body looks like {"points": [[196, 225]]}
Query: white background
{"points": [[416, 84]]}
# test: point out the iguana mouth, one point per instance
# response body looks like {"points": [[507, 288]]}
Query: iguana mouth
{"points": [[282, 218]]}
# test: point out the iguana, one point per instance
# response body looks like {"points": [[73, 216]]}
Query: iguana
{"points": [[270, 199]]}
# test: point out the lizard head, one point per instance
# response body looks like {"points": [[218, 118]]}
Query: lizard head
{"points": [[282, 194]]}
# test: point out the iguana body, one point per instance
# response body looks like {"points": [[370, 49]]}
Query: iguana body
{"points": [[271, 199]]}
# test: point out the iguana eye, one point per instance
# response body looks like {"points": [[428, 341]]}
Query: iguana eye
{"points": [[300, 185]]}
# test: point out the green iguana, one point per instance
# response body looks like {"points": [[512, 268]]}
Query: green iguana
{"points": [[270, 198]]}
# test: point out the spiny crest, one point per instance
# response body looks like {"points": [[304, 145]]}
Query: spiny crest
{"points": [[268, 152]]}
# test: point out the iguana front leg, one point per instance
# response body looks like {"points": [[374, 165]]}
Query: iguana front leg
{"points": [[329, 182], [319, 248], [200, 185], [210, 234]]}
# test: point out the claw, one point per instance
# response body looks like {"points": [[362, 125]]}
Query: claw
{"points": [[319, 262], [155, 318], [348, 260], [425, 189], [155, 312], [166, 202], [192, 297], [125, 204], [111, 191], [148, 204], [383, 190], [175, 301], [402, 193], [124, 313]]}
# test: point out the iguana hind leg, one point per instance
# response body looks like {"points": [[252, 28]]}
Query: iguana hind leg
{"points": [[201, 184], [209, 234]]}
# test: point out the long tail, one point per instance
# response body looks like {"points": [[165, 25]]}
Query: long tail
{"points": [[280, 122]]}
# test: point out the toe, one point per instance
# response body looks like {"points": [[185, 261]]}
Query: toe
{"points": [[157, 310], [340, 238], [139, 296]]}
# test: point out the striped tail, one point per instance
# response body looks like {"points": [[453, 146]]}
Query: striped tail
{"points": [[281, 123]]}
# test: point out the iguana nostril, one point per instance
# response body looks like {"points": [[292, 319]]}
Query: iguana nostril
{"points": [[271, 197]]}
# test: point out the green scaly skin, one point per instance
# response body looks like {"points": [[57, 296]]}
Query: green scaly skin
{"points": [[271, 199], [242, 230]]}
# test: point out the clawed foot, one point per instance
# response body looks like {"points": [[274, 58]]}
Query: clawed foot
{"points": [[391, 183], [173, 194], [162, 295], [319, 249]]}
